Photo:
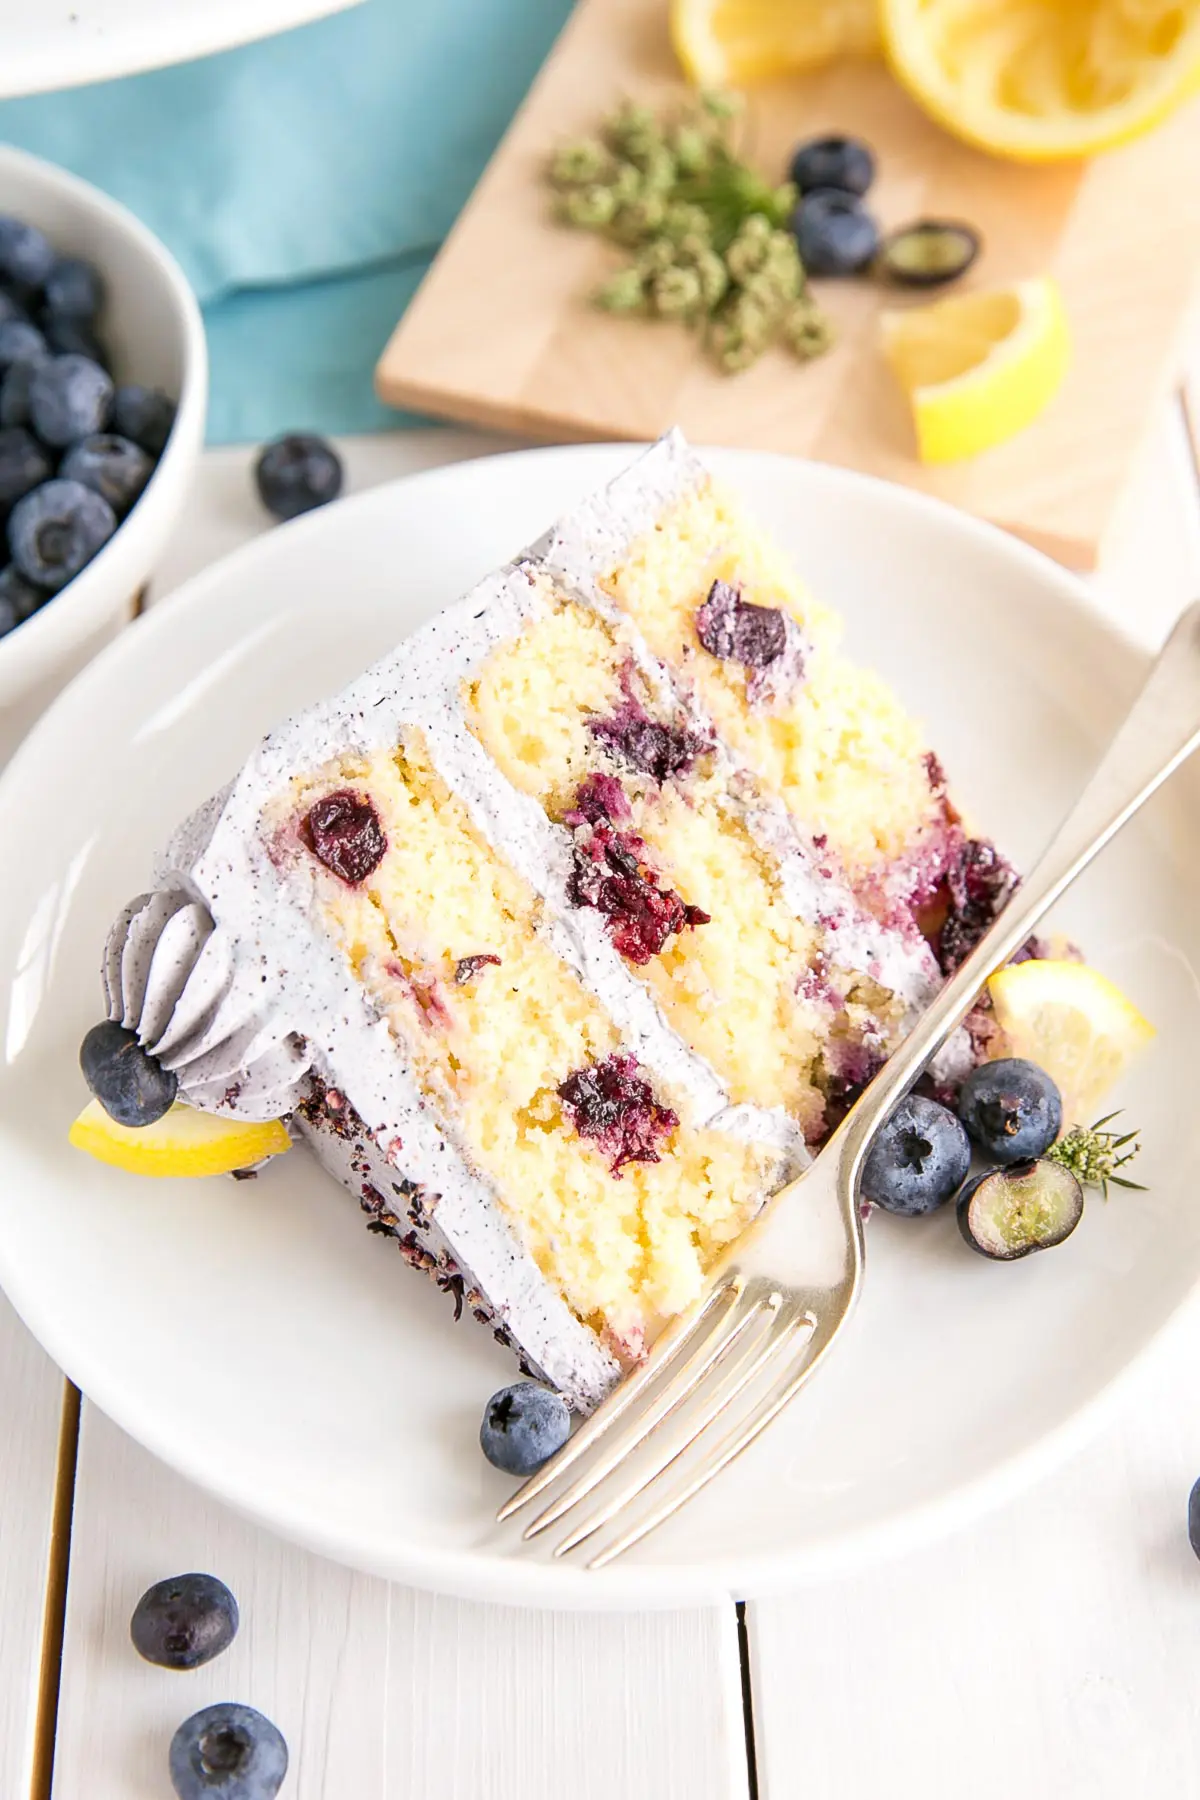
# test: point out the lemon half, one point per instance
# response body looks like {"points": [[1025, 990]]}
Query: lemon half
{"points": [[1073, 1022], [1040, 82], [978, 367], [727, 43], [182, 1142]]}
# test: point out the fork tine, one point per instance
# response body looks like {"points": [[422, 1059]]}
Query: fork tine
{"points": [[723, 1395], [716, 1346], [731, 1446], [666, 1349]]}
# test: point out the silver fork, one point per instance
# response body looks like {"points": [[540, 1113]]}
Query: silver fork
{"points": [[773, 1307]]}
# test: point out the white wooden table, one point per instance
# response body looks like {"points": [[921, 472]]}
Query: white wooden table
{"points": [[1051, 1648]]}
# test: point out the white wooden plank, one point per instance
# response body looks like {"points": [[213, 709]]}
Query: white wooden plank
{"points": [[382, 1694], [1050, 1649], [31, 1404]]}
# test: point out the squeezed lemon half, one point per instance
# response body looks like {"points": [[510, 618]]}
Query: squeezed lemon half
{"points": [[182, 1142], [1073, 1022], [728, 43], [977, 368], [1041, 82]]}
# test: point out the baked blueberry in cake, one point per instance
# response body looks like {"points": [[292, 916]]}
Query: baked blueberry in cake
{"points": [[564, 934]]}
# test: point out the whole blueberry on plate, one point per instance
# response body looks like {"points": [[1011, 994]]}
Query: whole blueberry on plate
{"points": [[69, 398], [296, 473], [185, 1621], [833, 162], [20, 342], [15, 386], [74, 337], [57, 529], [834, 232], [920, 1156], [113, 466], [228, 1752], [26, 254], [23, 464], [145, 415], [1011, 1108], [73, 289], [523, 1426], [19, 599], [131, 1085]]}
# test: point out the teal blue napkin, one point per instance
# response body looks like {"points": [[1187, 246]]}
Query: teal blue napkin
{"points": [[305, 183]]}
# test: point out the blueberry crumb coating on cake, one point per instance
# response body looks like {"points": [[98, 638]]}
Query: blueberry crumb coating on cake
{"points": [[566, 932]]}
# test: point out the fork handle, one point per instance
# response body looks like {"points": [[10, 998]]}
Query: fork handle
{"points": [[1162, 729]]}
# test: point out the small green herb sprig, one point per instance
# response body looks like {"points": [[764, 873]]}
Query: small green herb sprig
{"points": [[706, 234], [1094, 1154]]}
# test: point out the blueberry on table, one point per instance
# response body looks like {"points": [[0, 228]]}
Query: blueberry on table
{"points": [[112, 466], [15, 386], [24, 464], [69, 398], [833, 162], [74, 337], [20, 342], [1011, 1108], [184, 1622], [834, 232], [1010, 1212], [523, 1426], [145, 415], [920, 1157], [131, 1085], [73, 289], [296, 473], [26, 254], [228, 1752]]}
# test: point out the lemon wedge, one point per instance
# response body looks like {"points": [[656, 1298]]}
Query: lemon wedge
{"points": [[1039, 82], [1074, 1023], [728, 43], [978, 367], [182, 1142]]}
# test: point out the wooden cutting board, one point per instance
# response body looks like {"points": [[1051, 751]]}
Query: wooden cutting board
{"points": [[501, 332]]}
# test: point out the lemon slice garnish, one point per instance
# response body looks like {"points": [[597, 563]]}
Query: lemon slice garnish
{"points": [[182, 1142], [725, 43], [978, 367], [1038, 82], [1073, 1022]]}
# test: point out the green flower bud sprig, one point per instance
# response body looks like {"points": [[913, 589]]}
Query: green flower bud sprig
{"points": [[706, 235]]}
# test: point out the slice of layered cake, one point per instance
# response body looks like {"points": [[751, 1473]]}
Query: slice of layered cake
{"points": [[565, 933]]}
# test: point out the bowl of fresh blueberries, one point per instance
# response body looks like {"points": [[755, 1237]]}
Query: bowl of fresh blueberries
{"points": [[103, 386]]}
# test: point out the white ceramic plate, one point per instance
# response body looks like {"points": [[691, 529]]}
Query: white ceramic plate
{"points": [[256, 1337], [63, 43]]}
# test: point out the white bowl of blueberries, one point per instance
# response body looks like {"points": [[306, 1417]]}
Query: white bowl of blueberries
{"points": [[103, 386]]}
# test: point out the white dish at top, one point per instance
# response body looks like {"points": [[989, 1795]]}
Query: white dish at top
{"points": [[64, 43], [258, 1339]]}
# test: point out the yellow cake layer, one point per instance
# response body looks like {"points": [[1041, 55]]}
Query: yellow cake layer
{"points": [[625, 1252], [729, 987], [842, 754]]}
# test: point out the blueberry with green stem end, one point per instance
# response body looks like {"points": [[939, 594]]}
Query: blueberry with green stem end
{"points": [[131, 1085], [184, 1622], [228, 1752], [1011, 1108], [833, 162], [1010, 1212], [929, 253], [919, 1157]]}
